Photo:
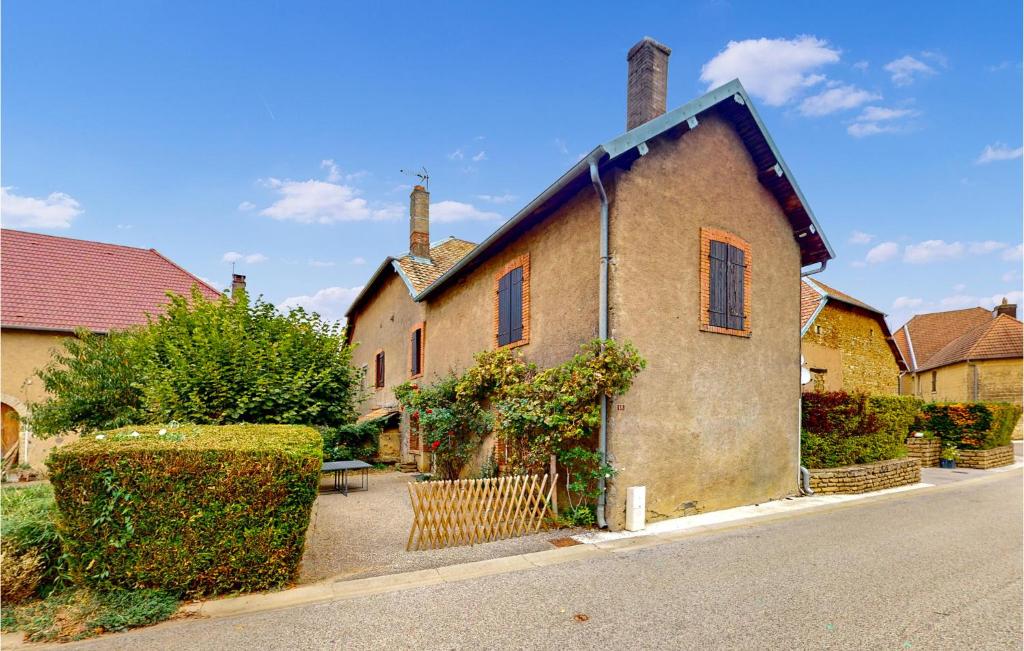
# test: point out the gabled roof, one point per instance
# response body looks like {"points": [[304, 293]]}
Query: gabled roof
{"points": [[729, 101], [998, 338], [417, 273], [61, 284], [814, 295], [924, 335]]}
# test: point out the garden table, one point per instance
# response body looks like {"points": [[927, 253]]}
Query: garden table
{"points": [[340, 470]]}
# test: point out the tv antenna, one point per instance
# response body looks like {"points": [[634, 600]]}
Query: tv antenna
{"points": [[422, 175]]}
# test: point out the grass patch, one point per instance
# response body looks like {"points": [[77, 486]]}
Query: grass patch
{"points": [[76, 614], [32, 562]]}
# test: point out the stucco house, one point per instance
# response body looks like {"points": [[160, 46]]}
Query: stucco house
{"points": [[686, 235], [964, 355], [52, 286], [846, 343]]}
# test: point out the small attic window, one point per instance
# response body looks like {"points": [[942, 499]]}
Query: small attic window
{"points": [[817, 329]]}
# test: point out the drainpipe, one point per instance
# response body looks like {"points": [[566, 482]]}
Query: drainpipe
{"points": [[805, 474], [602, 440]]}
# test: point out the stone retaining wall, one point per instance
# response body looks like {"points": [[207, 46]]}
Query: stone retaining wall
{"points": [[926, 451], [866, 477], [985, 459]]}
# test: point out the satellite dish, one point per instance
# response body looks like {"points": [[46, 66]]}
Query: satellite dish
{"points": [[805, 375]]}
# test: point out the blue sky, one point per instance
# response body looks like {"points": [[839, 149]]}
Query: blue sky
{"points": [[273, 133]]}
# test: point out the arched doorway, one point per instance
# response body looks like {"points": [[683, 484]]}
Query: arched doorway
{"points": [[11, 429]]}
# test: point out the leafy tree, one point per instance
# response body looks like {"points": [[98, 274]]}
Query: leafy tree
{"points": [[203, 361]]}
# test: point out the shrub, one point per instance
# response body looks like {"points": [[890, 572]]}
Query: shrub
{"points": [[356, 441], [195, 511], [971, 426], [841, 429], [217, 362], [31, 547]]}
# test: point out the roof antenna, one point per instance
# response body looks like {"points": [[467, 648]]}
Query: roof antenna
{"points": [[422, 175]]}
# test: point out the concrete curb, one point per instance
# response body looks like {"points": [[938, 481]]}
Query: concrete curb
{"points": [[338, 589]]}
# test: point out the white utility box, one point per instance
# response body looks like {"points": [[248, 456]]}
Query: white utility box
{"points": [[636, 508]]}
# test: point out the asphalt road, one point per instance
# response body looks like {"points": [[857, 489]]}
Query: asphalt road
{"points": [[928, 569]]}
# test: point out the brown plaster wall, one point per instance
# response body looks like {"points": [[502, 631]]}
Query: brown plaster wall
{"points": [[865, 361], [563, 300], [712, 422], [998, 380]]}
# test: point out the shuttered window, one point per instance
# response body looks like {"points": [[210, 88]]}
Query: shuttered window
{"points": [[379, 376], [727, 276], [416, 352], [510, 307]]}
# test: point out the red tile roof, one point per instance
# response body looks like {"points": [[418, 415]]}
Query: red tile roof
{"points": [[930, 333], [442, 257], [58, 283], [998, 338], [810, 300]]}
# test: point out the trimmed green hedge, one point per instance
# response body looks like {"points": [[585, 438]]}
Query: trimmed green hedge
{"points": [[196, 510], [841, 429], [972, 425], [356, 441]]}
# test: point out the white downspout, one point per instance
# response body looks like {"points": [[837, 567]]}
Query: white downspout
{"points": [[602, 440]]}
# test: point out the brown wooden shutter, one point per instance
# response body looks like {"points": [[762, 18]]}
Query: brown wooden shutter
{"points": [[504, 310], [735, 276], [718, 290], [416, 348], [515, 304], [380, 370]]}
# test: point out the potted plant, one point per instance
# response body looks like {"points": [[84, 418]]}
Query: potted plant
{"points": [[948, 457]]}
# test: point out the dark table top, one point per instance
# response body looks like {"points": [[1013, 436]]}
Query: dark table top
{"points": [[345, 465]]}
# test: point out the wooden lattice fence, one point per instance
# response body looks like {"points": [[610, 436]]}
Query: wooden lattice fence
{"points": [[470, 511]]}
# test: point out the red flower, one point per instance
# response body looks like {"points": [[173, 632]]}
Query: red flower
{"points": [[430, 411], [435, 444]]}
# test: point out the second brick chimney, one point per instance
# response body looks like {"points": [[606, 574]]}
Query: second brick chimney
{"points": [[419, 222], [1010, 309], [237, 285], [647, 83]]}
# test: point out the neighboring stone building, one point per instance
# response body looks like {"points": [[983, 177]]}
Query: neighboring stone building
{"points": [[963, 355], [846, 343], [685, 236], [52, 286]]}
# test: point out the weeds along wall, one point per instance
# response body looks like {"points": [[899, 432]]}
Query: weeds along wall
{"points": [[195, 510]]}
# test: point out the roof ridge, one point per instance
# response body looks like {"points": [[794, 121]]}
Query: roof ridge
{"points": [[185, 271], [76, 239]]}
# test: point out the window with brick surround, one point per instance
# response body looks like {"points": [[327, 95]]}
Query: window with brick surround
{"points": [[416, 351], [512, 303], [725, 264], [378, 381]]}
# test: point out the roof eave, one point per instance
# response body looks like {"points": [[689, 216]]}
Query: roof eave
{"points": [[365, 291]]}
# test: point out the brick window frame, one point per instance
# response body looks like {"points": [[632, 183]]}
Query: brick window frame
{"points": [[519, 261], [707, 235], [422, 327]]}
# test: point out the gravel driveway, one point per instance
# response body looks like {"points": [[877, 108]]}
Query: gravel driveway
{"points": [[365, 534]]}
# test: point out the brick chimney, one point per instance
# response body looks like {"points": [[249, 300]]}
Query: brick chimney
{"points": [[419, 222], [1006, 308], [237, 285], [647, 83]]}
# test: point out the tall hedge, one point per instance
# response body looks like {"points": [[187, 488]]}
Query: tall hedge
{"points": [[195, 510], [971, 425], [841, 429]]}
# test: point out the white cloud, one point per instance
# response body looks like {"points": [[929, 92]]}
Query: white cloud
{"points": [[251, 258], [998, 152], [861, 65], [1010, 276], [321, 263], [456, 155], [959, 287], [1014, 253], [482, 155], [874, 120], [57, 210], [906, 69], [323, 202], [960, 301], [860, 237], [773, 70], [358, 260], [882, 253], [330, 302], [333, 173], [907, 303], [562, 147], [246, 206], [864, 129], [988, 246], [837, 98], [881, 114], [497, 198], [932, 251], [454, 211]]}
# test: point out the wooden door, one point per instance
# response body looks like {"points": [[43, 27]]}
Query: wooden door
{"points": [[11, 427]]}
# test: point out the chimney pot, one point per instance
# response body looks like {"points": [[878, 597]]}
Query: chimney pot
{"points": [[237, 284], [1007, 308], [647, 81], [419, 222]]}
